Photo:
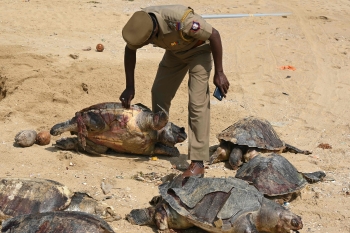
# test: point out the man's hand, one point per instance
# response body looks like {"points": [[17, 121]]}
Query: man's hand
{"points": [[126, 97], [220, 80]]}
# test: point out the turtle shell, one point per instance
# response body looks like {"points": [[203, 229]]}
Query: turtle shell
{"points": [[56, 221], [252, 132], [23, 196], [273, 175], [207, 202]]}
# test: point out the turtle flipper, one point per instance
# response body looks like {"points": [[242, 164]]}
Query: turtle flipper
{"points": [[314, 177], [245, 225], [67, 144], [221, 153], [161, 149], [236, 158], [141, 216], [293, 149], [218, 156], [72, 143], [70, 125]]}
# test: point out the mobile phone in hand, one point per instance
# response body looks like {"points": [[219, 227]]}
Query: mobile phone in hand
{"points": [[217, 94]]}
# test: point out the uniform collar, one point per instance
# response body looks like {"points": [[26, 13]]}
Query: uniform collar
{"points": [[165, 29]]}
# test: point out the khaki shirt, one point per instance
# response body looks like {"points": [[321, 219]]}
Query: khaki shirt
{"points": [[194, 28]]}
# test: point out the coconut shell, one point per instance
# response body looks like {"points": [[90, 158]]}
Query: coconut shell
{"points": [[99, 47], [43, 138], [25, 138]]}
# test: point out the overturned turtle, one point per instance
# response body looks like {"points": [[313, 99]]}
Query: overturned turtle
{"points": [[56, 221], [244, 139], [110, 126], [20, 196], [276, 177], [215, 205]]}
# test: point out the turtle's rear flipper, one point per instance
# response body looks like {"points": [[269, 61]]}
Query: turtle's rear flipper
{"points": [[314, 177], [293, 149]]}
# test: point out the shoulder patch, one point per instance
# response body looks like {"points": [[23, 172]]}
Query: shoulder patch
{"points": [[171, 24], [195, 26]]}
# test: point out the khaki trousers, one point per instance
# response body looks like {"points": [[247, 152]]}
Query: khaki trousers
{"points": [[171, 72]]}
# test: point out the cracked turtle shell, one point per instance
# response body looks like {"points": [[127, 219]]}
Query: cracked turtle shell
{"points": [[24, 196], [252, 132], [56, 221], [272, 175]]}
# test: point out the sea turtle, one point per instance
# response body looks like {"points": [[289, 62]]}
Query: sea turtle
{"points": [[276, 177], [56, 221], [24, 196], [215, 205], [19, 196], [110, 126], [247, 137]]}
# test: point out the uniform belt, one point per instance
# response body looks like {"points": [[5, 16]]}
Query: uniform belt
{"points": [[199, 42]]}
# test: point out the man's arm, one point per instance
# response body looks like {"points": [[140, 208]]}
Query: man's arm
{"points": [[129, 66], [220, 79]]}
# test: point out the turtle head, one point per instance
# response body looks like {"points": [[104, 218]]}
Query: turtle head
{"points": [[171, 134], [274, 218], [289, 221]]}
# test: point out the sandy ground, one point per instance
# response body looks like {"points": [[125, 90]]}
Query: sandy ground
{"points": [[41, 85]]}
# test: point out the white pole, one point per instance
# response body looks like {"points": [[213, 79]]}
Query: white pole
{"points": [[222, 16]]}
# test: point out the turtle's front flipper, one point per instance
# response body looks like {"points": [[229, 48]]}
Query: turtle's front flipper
{"points": [[161, 149], [293, 149], [142, 216], [221, 153], [72, 143], [236, 158], [314, 177], [67, 144], [245, 224], [70, 125]]}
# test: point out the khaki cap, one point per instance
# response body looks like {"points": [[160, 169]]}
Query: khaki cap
{"points": [[138, 29]]}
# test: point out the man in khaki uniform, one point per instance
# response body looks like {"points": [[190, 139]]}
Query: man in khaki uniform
{"points": [[191, 44]]}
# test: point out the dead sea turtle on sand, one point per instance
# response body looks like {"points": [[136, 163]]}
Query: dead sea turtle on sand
{"points": [[110, 126], [215, 205], [276, 177], [56, 221], [19, 196], [246, 138], [24, 196]]}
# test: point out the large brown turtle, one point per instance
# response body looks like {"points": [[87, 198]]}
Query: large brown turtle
{"points": [[215, 205], [20, 196], [110, 126], [244, 139], [276, 177]]}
